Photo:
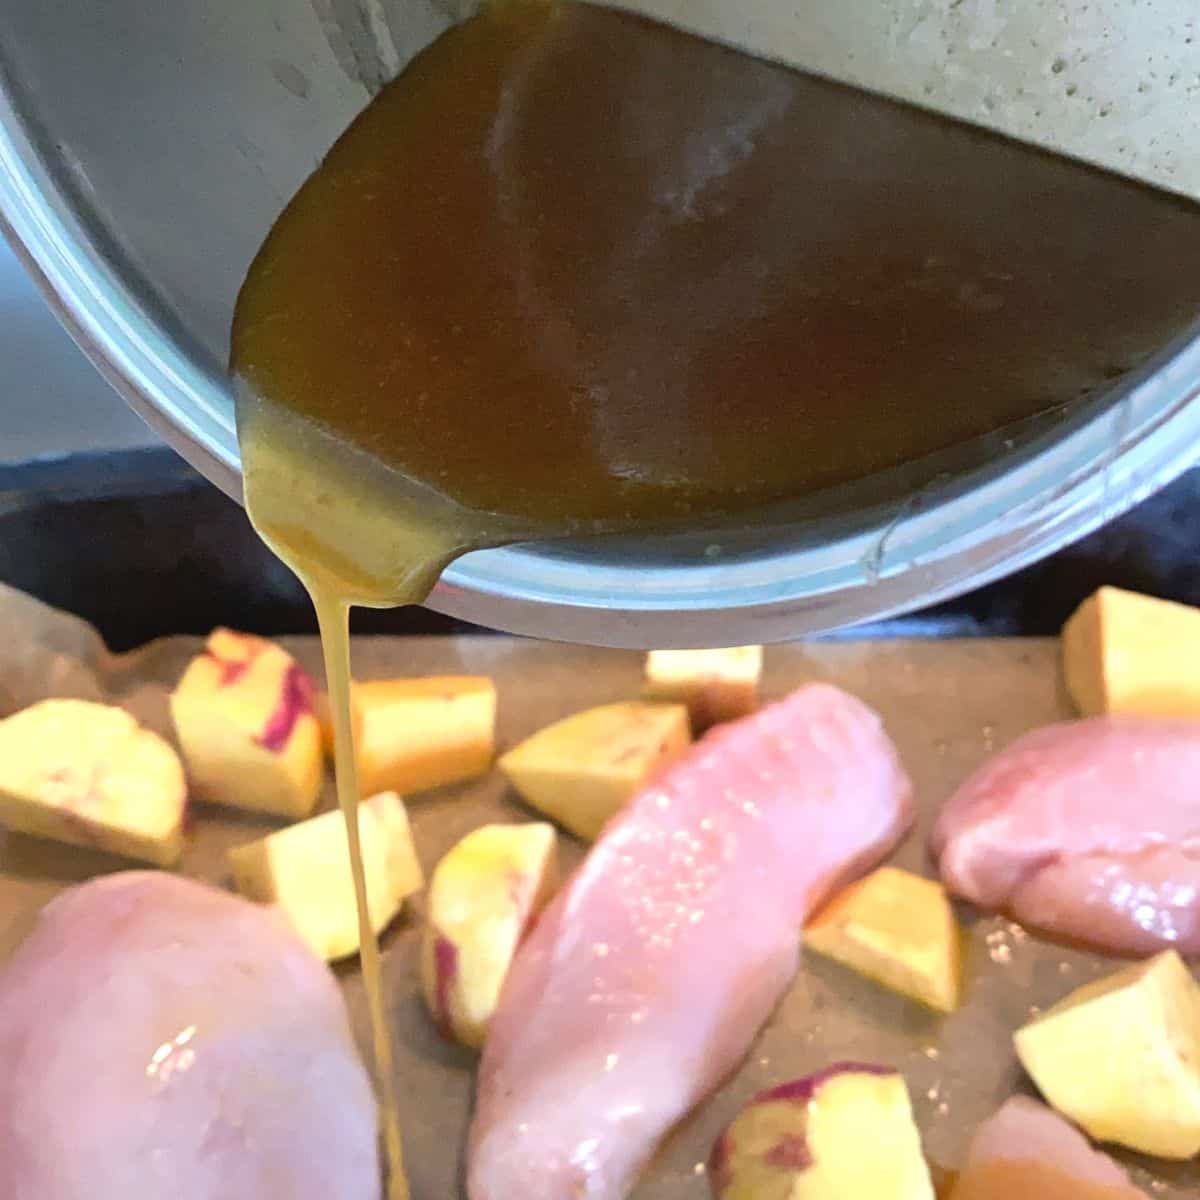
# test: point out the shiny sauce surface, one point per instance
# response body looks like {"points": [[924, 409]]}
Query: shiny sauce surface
{"points": [[581, 270]]}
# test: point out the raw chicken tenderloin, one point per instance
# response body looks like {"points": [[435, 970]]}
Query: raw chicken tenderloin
{"points": [[1089, 830], [161, 1040], [1028, 1151], [644, 982]]}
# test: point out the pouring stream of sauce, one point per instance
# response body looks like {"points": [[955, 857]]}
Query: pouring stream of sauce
{"points": [[577, 272], [333, 615]]}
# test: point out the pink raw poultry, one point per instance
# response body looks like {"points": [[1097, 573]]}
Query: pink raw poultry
{"points": [[162, 1040], [1030, 1151], [1089, 830], [646, 979]]}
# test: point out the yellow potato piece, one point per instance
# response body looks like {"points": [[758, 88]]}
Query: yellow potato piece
{"points": [[582, 770], [481, 899], [897, 929], [845, 1134], [420, 733], [716, 685], [1121, 1058], [243, 712], [305, 870], [87, 774], [1128, 653]]}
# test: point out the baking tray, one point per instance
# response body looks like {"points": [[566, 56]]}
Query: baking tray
{"points": [[948, 703]]}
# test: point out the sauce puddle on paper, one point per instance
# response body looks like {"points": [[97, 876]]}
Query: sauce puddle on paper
{"points": [[577, 272]]}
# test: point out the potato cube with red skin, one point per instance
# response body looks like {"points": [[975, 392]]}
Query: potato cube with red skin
{"points": [[716, 685], [482, 898], [244, 716], [87, 774], [420, 733], [805, 1141]]}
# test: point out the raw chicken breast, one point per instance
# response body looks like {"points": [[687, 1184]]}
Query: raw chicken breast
{"points": [[161, 1040], [646, 979], [1089, 830], [1028, 1151]]}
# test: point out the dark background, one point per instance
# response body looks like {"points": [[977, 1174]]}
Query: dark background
{"points": [[137, 543]]}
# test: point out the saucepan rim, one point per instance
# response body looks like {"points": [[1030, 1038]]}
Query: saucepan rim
{"points": [[927, 549]]}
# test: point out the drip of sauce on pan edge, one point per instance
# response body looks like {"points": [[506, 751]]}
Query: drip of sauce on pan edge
{"points": [[576, 272]]}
